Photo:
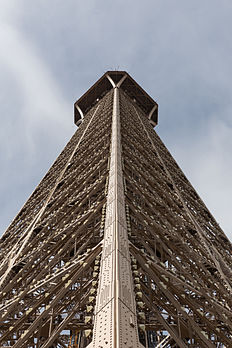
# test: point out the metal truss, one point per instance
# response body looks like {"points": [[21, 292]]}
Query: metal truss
{"points": [[50, 254], [180, 257], [114, 248]]}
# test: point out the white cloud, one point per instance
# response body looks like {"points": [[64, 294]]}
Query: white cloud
{"points": [[178, 51], [33, 112]]}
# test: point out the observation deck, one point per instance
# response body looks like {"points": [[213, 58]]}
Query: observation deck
{"points": [[111, 80]]}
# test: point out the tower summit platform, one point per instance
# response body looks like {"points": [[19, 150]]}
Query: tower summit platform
{"points": [[108, 81]]}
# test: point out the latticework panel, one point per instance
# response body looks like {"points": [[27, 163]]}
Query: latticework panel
{"points": [[180, 257], [50, 254]]}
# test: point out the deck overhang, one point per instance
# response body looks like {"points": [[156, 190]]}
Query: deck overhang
{"points": [[125, 82]]}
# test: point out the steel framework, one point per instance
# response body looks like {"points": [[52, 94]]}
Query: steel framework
{"points": [[115, 248]]}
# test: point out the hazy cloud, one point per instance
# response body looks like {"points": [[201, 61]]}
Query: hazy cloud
{"points": [[178, 50]]}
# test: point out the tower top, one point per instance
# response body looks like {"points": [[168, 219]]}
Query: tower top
{"points": [[125, 82]]}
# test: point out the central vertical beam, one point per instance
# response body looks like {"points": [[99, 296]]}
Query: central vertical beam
{"points": [[115, 314]]}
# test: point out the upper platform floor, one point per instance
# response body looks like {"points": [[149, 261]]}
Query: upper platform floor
{"points": [[124, 81]]}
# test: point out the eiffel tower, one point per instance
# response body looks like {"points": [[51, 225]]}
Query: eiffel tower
{"points": [[115, 248]]}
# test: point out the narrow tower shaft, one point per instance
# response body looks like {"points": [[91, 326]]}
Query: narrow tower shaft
{"points": [[115, 248]]}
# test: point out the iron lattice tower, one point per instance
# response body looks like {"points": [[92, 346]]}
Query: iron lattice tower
{"points": [[114, 248]]}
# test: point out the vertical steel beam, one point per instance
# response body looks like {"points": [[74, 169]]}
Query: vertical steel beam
{"points": [[115, 314]]}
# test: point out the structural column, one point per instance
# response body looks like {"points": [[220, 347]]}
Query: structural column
{"points": [[115, 313]]}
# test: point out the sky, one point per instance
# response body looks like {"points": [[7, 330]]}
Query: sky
{"points": [[179, 51]]}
